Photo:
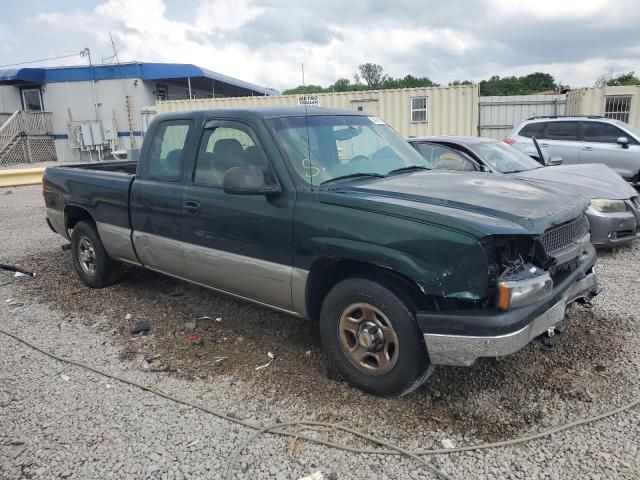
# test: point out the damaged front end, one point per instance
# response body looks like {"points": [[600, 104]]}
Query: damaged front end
{"points": [[531, 280]]}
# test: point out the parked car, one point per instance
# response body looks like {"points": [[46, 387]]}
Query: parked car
{"points": [[614, 211], [330, 215], [580, 140]]}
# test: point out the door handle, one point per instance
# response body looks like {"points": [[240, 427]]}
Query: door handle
{"points": [[544, 144], [191, 207], [587, 149]]}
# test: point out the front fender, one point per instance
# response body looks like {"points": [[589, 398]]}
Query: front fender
{"points": [[442, 262]]}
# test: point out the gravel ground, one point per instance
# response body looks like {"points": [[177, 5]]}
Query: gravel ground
{"points": [[59, 421]]}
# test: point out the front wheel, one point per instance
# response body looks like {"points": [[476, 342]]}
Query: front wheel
{"points": [[93, 264], [371, 339]]}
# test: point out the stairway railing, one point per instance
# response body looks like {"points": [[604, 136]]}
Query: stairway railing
{"points": [[25, 123], [10, 130]]}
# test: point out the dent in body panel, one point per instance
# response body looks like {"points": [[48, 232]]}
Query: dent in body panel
{"points": [[159, 253], [117, 242], [299, 279], [260, 280], [56, 217]]}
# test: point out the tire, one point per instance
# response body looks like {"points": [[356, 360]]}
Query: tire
{"points": [[371, 339], [94, 266]]}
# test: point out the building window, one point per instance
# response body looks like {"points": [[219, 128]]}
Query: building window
{"points": [[418, 109], [32, 99], [162, 92], [618, 107]]}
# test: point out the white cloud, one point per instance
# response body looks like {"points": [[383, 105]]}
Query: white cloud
{"points": [[266, 42], [223, 15]]}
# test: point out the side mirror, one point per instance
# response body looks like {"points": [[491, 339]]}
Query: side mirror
{"points": [[553, 161], [623, 142], [248, 180]]}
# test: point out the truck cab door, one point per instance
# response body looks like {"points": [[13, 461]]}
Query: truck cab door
{"points": [[239, 244], [156, 198]]}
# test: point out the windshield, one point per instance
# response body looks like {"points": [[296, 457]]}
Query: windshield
{"points": [[324, 148], [504, 158]]}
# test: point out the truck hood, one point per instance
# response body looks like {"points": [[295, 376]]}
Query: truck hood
{"points": [[589, 180], [477, 203]]}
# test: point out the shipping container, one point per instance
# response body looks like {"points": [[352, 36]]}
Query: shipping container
{"points": [[413, 112]]}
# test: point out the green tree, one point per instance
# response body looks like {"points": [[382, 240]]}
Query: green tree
{"points": [[372, 74], [526, 85], [341, 85], [300, 89], [624, 79], [460, 82]]}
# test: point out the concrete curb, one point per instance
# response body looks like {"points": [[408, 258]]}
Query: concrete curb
{"points": [[21, 176]]}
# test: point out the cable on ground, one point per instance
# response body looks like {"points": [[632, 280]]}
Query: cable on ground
{"points": [[391, 449]]}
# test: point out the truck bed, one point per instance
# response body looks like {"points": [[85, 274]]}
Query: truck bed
{"points": [[102, 189], [115, 166]]}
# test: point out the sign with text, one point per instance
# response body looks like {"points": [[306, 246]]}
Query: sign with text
{"points": [[308, 100]]}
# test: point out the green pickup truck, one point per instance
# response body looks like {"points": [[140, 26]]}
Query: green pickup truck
{"points": [[331, 216]]}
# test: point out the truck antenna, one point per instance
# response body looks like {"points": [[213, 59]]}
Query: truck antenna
{"points": [[309, 168]]}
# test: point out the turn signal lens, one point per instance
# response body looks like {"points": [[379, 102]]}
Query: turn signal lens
{"points": [[518, 293], [504, 296]]}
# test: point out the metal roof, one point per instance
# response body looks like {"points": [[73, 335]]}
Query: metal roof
{"points": [[144, 71]]}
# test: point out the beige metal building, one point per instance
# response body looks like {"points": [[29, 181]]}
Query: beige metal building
{"points": [[620, 103], [413, 112]]}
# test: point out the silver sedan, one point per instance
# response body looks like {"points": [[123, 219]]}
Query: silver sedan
{"points": [[614, 213]]}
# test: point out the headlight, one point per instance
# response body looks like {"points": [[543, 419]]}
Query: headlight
{"points": [[608, 206], [517, 293]]}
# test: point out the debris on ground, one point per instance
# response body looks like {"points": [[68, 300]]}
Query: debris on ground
{"points": [[314, 476], [446, 443], [64, 377], [189, 326], [141, 327], [17, 270], [270, 355], [195, 339], [219, 360], [127, 316]]}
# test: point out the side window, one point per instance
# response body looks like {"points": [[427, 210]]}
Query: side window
{"points": [[222, 148], [602, 132], [440, 157], [164, 161], [562, 131], [532, 130]]}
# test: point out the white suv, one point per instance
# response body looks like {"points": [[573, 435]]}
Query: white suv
{"points": [[587, 139]]}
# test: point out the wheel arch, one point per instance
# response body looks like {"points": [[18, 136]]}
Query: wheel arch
{"points": [[327, 272], [74, 214]]}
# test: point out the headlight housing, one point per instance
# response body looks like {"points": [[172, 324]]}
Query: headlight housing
{"points": [[518, 293], [605, 205]]}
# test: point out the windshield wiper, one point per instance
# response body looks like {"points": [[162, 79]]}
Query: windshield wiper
{"points": [[409, 169], [353, 175]]}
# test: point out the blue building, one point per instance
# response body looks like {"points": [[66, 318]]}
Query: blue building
{"points": [[87, 112]]}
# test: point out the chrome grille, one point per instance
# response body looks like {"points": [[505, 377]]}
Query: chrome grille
{"points": [[561, 236]]}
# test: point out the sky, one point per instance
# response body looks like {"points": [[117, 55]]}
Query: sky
{"points": [[265, 42]]}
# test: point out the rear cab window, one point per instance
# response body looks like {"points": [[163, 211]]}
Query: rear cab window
{"points": [[166, 151]]}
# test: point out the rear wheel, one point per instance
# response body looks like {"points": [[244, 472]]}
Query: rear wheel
{"points": [[94, 266], [371, 339]]}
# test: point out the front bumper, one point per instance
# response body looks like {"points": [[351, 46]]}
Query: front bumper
{"points": [[611, 229], [461, 338]]}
